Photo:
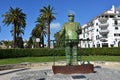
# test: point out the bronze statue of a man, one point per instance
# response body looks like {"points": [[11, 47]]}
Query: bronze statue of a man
{"points": [[71, 30]]}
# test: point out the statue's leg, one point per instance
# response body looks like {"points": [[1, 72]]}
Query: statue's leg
{"points": [[74, 54], [68, 55]]}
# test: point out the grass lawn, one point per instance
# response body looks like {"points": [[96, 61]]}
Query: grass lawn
{"points": [[58, 58]]}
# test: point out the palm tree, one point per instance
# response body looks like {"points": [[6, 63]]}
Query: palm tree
{"points": [[17, 18], [35, 34], [19, 31], [48, 15], [40, 30], [41, 24], [19, 40]]}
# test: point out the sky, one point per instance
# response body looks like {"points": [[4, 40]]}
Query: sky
{"points": [[84, 11]]}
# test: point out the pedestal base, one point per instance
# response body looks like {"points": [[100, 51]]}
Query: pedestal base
{"points": [[71, 69]]}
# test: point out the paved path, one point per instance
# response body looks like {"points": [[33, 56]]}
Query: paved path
{"points": [[8, 74], [103, 71]]}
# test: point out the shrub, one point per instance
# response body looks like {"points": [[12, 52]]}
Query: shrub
{"points": [[15, 53]]}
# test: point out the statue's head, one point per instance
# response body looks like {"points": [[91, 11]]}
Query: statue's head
{"points": [[71, 17]]}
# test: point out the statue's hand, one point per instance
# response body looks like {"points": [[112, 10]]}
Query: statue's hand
{"points": [[79, 31]]}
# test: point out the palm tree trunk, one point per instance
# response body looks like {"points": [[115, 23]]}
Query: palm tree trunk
{"points": [[48, 34], [42, 42], [14, 37]]}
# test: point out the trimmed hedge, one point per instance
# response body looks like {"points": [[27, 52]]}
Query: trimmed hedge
{"points": [[99, 51], [15, 53]]}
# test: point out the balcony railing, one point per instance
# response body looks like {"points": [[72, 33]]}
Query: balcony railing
{"points": [[103, 20], [104, 32], [103, 25], [116, 24], [103, 39]]}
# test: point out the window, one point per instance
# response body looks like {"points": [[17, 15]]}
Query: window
{"points": [[84, 35], [97, 37], [93, 46], [96, 23], [111, 16], [104, 44], [116, 28], [102, 16], [116, 34], [98, 45], [97, 30], [106, 16], [115, 22]]}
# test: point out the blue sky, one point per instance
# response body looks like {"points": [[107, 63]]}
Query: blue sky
{"points": [[84, 11]]}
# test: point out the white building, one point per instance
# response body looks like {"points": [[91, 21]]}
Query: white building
{"points": [[103, 31]]}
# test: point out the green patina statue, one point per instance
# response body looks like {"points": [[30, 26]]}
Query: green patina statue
{"points": [[71, 31]]}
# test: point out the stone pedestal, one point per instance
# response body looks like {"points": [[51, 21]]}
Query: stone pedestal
{"points": [[71, 69]]}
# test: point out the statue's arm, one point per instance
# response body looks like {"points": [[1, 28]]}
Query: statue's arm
{"points": [[62, 31], [79, 30]]}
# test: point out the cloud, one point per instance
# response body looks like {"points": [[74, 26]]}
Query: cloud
{"points": [[118, 8], [55, 25]]}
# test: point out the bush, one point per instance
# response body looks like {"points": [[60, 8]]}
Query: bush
{"points": [[99, 51], [15, 53]]}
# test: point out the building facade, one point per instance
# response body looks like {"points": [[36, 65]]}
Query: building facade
{"points": [[102, 31]]}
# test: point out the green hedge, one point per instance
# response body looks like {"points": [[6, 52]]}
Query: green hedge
{"points": [[99, 51], [14, 53]]}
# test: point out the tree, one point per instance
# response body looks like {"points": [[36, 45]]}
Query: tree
{"points": [[30, 42], [48, 15], [36, 33], [41, 25], [17, 18], [40, 30], [19, 31], [20, 42], [7, 43]]}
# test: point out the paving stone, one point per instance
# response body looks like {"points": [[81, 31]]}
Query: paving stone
{"points": [[100, 74]]}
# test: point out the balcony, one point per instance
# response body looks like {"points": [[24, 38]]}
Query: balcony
{"points": [[103, 39], [116, 24], [103, 20], [103, 25], [104, 32]]}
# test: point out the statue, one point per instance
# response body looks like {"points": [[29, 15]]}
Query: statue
{"points": [[71, 30]]}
